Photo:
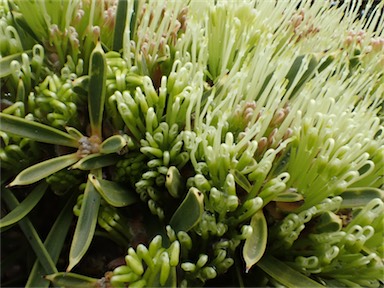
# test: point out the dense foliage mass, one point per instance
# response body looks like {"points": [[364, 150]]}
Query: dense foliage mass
{"points": [[191, 143]]}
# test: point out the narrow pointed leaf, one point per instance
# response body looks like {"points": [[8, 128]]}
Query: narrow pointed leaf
{"points": [[189, 212], [24, 207], [256, 243], [54, 243], [288, 196], [121, 16], [86, 225], [31, 235], [112, 192], [43, 169], [95, 161], [35, 131], [97, 83], [65, 279], [113, 144], [284, 274], [242, 180]]}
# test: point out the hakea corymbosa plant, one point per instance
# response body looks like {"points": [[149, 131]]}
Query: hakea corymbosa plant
{"points": [[214, 143]]}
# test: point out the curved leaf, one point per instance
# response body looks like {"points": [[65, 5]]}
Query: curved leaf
{"points": [[43, 169], [189, 212], [284, 274], [86, 225], [5, 62], [95, 161], [112, 192], [256, 243], [24, 207], [65, 279], [74, 133], [113, 144], [97, 84], [360, 196], [35, 131], [174, 182], [54, 243]]}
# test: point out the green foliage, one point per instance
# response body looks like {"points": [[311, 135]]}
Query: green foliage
{"points": [[209, 143]]}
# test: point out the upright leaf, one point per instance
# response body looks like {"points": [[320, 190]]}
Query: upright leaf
{"points": [[43, 169], [121, 16], [86, 225], [189, 212], [54, 243], [35, 131], [97, 84], [256, 243], [24, 207]]}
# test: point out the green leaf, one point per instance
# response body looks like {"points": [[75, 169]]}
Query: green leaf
{"points": [[121, 16], [256, 243], [31, 235], [86, 225], [53, 243], [242, 180], [35, 131], [361, 196], [113, 144], [189, 212], [95, 161], [284, 274], [112, 192], [288, 196], [5, 62], [65, 279], [24, 207], [74, 133], [97, 84], [327, 222], [174, 182], [43, 169]]}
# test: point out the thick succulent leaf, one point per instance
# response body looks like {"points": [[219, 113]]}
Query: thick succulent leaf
{"points": [[113, 193], [284, 274], [43, 169], [113, 144], [85, 227], [74, 133], [35, 131], [360, 196], [54, 243], [24, 207], [31, 235], [97, 84], [189, 212], [256, 243], [242, 180], [95, 161], [288, 196], [64, 279]]}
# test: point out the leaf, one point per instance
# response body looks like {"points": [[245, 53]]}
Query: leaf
{"points": [[242, 180], [86, 225], [121, 16], [5, 62], [35, 131], [174, 182], [53, 243], [31, 235], [74, 133], [112, 192], [66, 279], [113, 144], [284, 274], [288, 196], [24, 207], [361, 196], [97, 84], [43, 169], [256, 243], [95, 161], [189, 212]]}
